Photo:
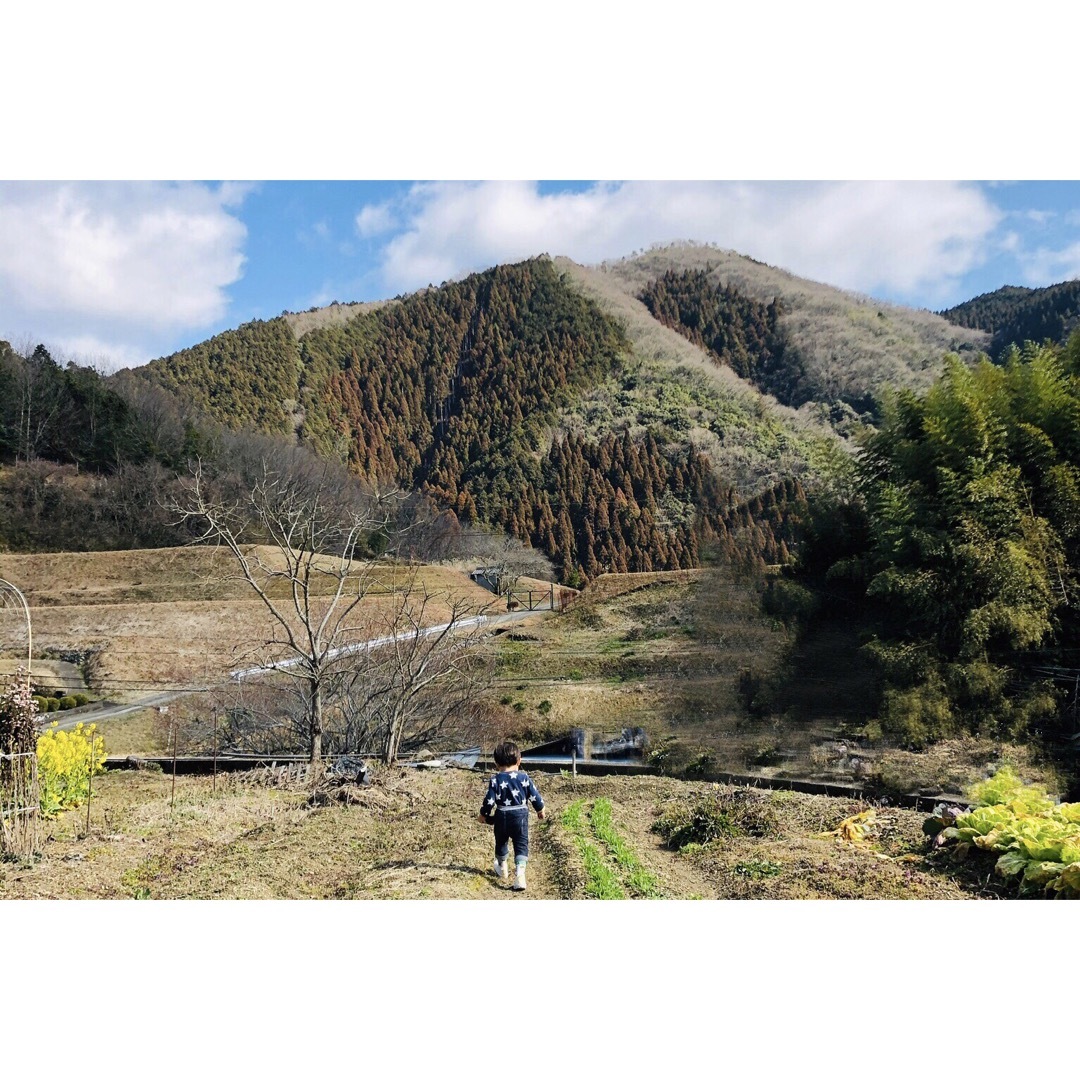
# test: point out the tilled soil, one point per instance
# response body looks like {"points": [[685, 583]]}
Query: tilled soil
{"points": [[414, 835]]}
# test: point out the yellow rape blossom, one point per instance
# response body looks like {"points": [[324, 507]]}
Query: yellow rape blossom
{"points": [[66, 761]]}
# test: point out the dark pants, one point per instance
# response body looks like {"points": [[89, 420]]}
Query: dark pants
{"points": [[512, 826]]}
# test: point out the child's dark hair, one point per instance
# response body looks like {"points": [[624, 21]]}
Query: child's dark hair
{"points": [[507, 753]]}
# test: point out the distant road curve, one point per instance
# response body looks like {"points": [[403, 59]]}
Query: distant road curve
{"points": [[111, 710]]}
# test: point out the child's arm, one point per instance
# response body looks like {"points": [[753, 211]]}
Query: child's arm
{"points": [[536, 799], [487, 807]]}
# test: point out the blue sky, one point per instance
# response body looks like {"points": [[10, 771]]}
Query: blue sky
{"points": [[115, 249], [117, 273]]}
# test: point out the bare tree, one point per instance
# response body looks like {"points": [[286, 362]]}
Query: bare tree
{"points": [[505, 556], [300, 533], [418, 682], [394, 673]]}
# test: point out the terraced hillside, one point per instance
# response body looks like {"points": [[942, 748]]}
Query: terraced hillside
{"points": [[177, 616]]}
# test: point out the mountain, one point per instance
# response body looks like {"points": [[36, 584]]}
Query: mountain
{"points": [[1014, 314], [617, 417]]}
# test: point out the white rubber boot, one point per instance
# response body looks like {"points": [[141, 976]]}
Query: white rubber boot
{"points": [[500, 868], [519, 878]]}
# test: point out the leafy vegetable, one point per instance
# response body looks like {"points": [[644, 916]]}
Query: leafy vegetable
{"points": [[1037, 841]]}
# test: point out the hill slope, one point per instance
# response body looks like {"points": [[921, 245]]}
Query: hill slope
{"points": [[615, 417], [1014, 314], [850, 346], [513, 399]]}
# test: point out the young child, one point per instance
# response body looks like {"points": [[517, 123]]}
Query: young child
{"points": [[506, 806]]}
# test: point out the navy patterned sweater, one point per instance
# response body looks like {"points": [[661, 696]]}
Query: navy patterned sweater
{"points": [[510, 791]]}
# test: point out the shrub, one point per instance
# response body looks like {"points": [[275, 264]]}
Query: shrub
{"points": [[52, 704], [788, 601], [710, 817], [700, 766], [694, 823], [81, 699], [544, 707], [918, 715], [66, 761], [764, 754], [68, 702]]}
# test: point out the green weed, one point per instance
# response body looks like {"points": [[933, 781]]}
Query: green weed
{"points": [[757, 868], [601, 882]]}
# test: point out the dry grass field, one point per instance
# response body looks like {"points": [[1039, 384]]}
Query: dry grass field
{"points": [[414, 836], [180, 616], [634, 650], [639, 650], [667, 652]]}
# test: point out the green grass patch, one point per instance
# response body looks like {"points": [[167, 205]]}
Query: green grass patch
{"points": [[757, 868], [605, 881], [601, 882], [640, 881]]}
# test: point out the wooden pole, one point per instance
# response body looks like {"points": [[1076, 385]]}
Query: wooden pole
{"points": [[172, 801], [215, 749], [89, 785]]}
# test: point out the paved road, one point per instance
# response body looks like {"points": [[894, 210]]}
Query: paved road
{"points": [[111, 710]]}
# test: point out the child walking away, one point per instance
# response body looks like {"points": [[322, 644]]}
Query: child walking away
{"points": [[506, 806]]}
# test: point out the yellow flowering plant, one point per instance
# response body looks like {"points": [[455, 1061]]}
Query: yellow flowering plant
{"points": [[66, 761]]}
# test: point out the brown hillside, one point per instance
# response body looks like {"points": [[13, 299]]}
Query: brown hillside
{"points": [[852, 344], [302, 322]]}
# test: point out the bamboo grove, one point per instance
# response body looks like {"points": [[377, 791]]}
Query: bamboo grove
{"points": [[963, 550]]}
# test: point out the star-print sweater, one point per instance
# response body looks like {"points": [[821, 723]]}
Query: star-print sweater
{"points": [[510, 791]]}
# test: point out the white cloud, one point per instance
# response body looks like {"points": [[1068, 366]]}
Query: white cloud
{"points": [[88, 350], [376, 219], [117, 262], [905, 238], [1047, 266]]}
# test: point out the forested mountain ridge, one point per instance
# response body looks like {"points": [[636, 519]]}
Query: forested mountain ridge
{"points": [[514, 401], [546, 399], [244, 377], [845, 347], [1014, 314]]}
